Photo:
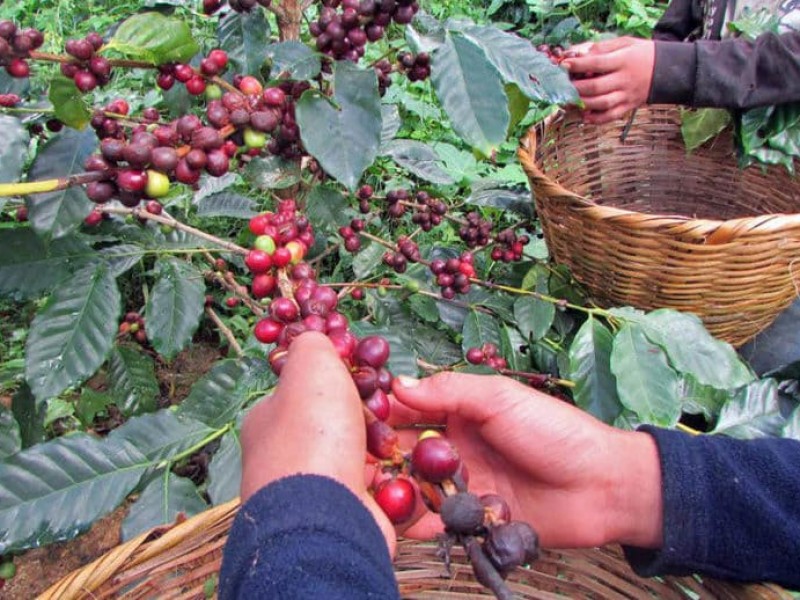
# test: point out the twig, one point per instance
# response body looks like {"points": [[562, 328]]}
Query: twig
{"points": [[627, 129], [225, 331]]}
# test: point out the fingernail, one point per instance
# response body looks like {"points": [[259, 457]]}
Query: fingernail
{"points": [[407, 382]]}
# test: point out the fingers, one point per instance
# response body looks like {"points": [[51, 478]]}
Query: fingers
{"points": [[605, 102], [597, 86]]}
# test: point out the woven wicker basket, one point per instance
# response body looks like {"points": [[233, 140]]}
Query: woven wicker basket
{"points": [[642, 223], [182, 563]]}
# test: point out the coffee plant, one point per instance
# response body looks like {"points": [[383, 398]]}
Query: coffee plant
{"points": [[274, 167]]}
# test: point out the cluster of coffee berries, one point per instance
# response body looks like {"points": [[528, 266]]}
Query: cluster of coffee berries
{"points": [[508, 246], [345, 26], [383, 69], [556, 54], [133, 326], [364, 195], [476, 231], [429, 211], [15, 47], [195, 81], [87, 69], [143, 166], [453, 274], [9, 100], [396, 201], [416, 67], [488, 355], [350, 237], [407, 251]]}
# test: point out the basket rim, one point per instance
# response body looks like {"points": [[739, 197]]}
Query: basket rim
{"points": [[711, 230]]}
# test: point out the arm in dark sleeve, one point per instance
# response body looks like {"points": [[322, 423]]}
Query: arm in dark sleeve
{"points": [[731, 509], [680, 19], [732, 73], [306, 536]]}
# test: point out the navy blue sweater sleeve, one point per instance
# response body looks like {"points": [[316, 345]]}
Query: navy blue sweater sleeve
{"points": [[306, 536], [731, 509]]}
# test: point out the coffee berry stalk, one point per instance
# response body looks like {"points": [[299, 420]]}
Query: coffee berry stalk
{"points": [[433, 468]]}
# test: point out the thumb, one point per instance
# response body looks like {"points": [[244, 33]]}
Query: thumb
{"points": [[476, 398]]}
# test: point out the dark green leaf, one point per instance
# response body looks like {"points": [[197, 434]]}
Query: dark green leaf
{"points": [[29, 414], [166, 497], [419, 159], [479, 328], [226, 204], [225, 470], [595, 388], [697, 398], [54, 491], [327, 208], [245, 37], [367, 260], [426, 34], [645, 382], [57, 408], [13, 148], [521, 64], [209, 186], [154, 38], [344, 139], [533, 316], [69, 104], [294, 58], [29, 267], [58, 213], [10, 437], [495, 194], [271, 173], [691, 349], [402, 359], [471, 91], [90, 404], [435, 346], [754, 412], [700, 125], [122, 257], [217, 398], [175, 306], [71, 337], [510, 343], [161, 435], [391, 122], [424, 307], [132, 379]]}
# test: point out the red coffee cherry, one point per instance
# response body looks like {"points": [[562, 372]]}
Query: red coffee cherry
{"points": [[397, 498], [373, 351], [435, 459]]}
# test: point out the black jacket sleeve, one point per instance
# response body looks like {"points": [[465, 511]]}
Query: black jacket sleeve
{"points": [[732, 73], [681, 19], [306, 536], [731, 509]]}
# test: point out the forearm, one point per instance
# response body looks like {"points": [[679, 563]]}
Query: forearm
{"points": [[733, 73], [730, 509], [306, 536]]}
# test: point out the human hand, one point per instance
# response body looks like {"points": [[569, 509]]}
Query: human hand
{"points": [[312, 424], [577, 481], [619, 73]]}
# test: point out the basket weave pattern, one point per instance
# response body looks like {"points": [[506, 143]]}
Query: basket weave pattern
{"points": [[179, 564], [642, 223]]}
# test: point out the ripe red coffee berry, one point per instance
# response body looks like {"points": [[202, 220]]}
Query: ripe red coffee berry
{"points": [[267, 331], [372, 350], [274, 96], [283, 310], [379, 404], [263, 285], [474, 356], [496, 507], [435, 459], [397, 498], [258, 261], [132, 180], [220, 57], [281, 257]]}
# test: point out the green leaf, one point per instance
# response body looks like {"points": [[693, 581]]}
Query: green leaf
{"points": [[479, 328], [69, 104], [435, 346], [754, 412], [225, 470], [367, 260], [154, 38], [166, 497], [161, 435], [217, 398], [507, 198], [595, 388], [391, 122], [58, 213], [29, 266], [271, 173], [470, 90], [295, 59], [697, 398], [175, 306], [521, 64], [29, 414], [10, 437], [510, 343], [533, 316], [122, 257], [692, 349], [90, 404], [425, 308], [327, 208], [645, 382], [57, 409], [245, 37], [700, 125], [132, 379], [227, 204], [344, 139], [54, 491], [13, 148], [419, 159], [71, 337]]}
